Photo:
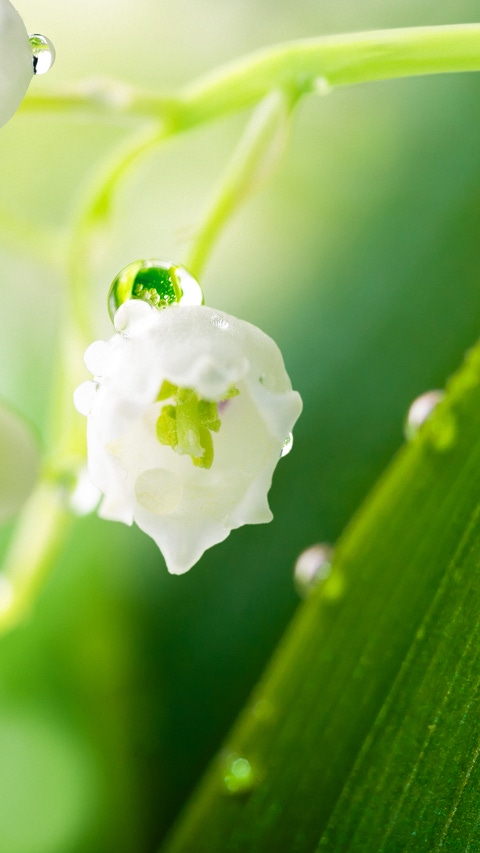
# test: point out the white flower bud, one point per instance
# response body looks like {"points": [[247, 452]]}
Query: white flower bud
{"points": [[16, 63], [187, 417]]}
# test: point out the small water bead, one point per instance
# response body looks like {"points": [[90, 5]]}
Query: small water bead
{"points": [[287, 445], [220, 322], [43, 53], [159, 283], [313, 566], [239, 776], [420, 411]]}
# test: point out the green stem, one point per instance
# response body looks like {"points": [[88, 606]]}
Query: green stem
{"points": [[340, 60], [257, 155], [92, 218], [38, 538]]}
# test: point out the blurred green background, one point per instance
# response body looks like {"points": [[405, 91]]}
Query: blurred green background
{"points": [[122, 684]]}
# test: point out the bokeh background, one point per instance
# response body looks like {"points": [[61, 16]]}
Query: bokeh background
{"points": [[361, 258]]}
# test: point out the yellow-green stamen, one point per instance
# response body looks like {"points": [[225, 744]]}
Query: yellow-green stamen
{"points": [[187, 422]]}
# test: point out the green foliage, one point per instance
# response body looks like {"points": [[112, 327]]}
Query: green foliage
{"points": [[364, 733]]}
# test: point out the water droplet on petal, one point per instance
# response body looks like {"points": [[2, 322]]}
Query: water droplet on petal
{"points": [[220, 322], [159, 283], [313, 566], [239, 777], [43, 53], [287, 445], [420, 410]]}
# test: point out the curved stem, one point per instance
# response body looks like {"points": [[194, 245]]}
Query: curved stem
{"points": [[92, 218], [340, 60], [254, 160]]}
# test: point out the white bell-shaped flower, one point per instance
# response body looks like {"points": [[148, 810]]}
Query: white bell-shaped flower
{"points": [[16, 61], [187, 416]]}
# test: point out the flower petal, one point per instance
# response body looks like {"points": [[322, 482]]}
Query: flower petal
{"points": [[239, 407]]}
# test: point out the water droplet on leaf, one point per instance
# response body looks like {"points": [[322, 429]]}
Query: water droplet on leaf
{"points": [[159, 283], [287, 445], [43, 53], [313, 566], [420, 410], [440, 430], [239, 777]]}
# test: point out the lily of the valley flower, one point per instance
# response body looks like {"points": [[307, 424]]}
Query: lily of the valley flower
{"points": [[187, 416]]}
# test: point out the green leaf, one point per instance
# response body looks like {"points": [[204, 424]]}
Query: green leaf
{"points": [[365, 728]]}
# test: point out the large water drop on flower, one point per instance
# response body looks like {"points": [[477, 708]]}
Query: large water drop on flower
{"points": [[313, 565], [43, 53], [287, 445], [160, 283]]}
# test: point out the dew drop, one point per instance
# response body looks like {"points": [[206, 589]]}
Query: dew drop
{"points": [[238, 774], [43, 53], [159, 283], [287, 445], [312, 566], [420, 411], [220, 322]]}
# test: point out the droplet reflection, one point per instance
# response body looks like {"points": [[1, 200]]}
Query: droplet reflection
{"points": [[159, 283], [43, 53], [313, 566]]}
